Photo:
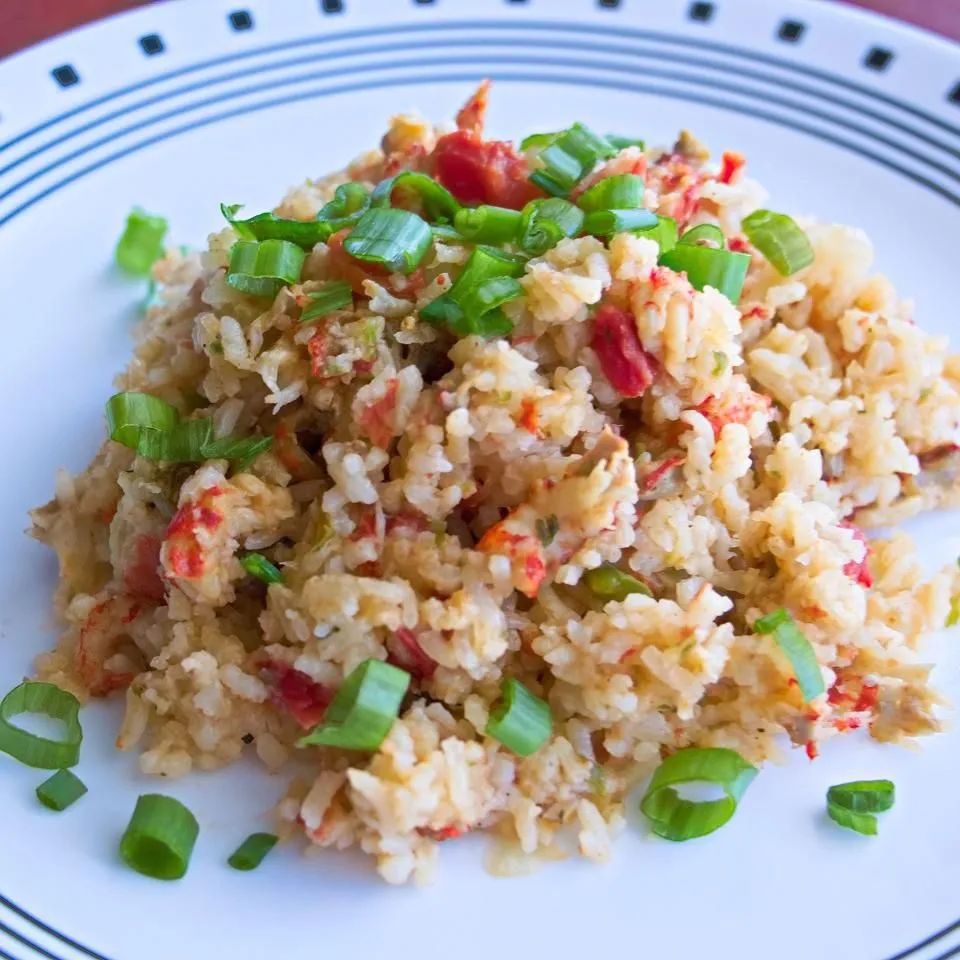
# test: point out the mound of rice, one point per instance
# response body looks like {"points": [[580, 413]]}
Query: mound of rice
{"points": [[401, 499]]}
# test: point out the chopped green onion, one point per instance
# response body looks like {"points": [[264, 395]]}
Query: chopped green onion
{"points": [[471, 305], [349, 201], [268, 226], [780, 240], [854, 804], [605, 223], [249, 855], [675, 818], [706, 267], [569, 157], [445, 233], [544, 223], [665, 233], [438, 203], [953, 617], [363, 710], [547, 529], [612, 584], [395, 239], [131, 413], [334, 295], [798, 650], [32, 696], [160, 837], [720, 362], [141, 243], [61, 790], [521, 721], [621, 143], [705, 233], [537, 141], [152, 427], [486, 224], [264, 268], [257, 565], [621, 192]]}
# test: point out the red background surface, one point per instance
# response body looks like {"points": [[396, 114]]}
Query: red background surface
{"points": [[23, 22]]}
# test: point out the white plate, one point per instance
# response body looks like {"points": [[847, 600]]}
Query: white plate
{"points": [[237, 111]]}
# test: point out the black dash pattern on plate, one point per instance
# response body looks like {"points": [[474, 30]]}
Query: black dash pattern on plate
{"points": [[331, 6], [240, 20], [791, 31], [151, 44], [878, 58], [608, 3], [65, 75], [702, 12], [954, 95]]}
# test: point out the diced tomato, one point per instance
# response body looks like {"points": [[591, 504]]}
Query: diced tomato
{"points": [[812, 750], [473, 114], [730, 166], [303, 698], [867, 700], [529, 419], [406, 653], [628, 367], [858, 570], [376, 420], [483, 171], [142, 577], [738, 244]]}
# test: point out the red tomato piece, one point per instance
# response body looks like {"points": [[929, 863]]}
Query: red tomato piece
{"points": [[628, 367]]}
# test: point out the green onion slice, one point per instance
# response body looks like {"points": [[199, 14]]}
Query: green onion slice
{"points": [[621, 192], [61, 790], [243, 451], [395, 239], [675, 818], [780, 240], [263, 268], [544, 223], [33, 696], [437, 202], [257, 565], [349, 201], [131, 413], [268, 226], [160, 837], [537, 141], [334, 295], [707, 267], [608, 582], [249, 855], [364, 708], [141, 243], [665, 232], [521, 721], [472, 304], [487, 224], [605, 223], [798, 650], [621, 143], [568, 157], [705, 233], [854, 804]]}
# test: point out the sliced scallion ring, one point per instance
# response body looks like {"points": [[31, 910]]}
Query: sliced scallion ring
{"points": [[705, 267], [623, 191], [257, 565], [798, 650], [33, 696], [268, 226], [544, 223], [160, 837], [334, 295], [437, 202], [395, 239], [608, 582], [249, 855], [141, 243], [780, 240], [521, 721], [568, 157], [854, 805], [363, 710], [263, 268], [61, 790], [665, 233], [705, 233], [487, 224], [675, 818], [606, 223]]}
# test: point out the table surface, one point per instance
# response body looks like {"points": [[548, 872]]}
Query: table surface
{"points": [[23, 22]]}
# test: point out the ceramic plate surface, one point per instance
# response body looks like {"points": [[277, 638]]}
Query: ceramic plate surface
{"points": [[178, 106]]}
